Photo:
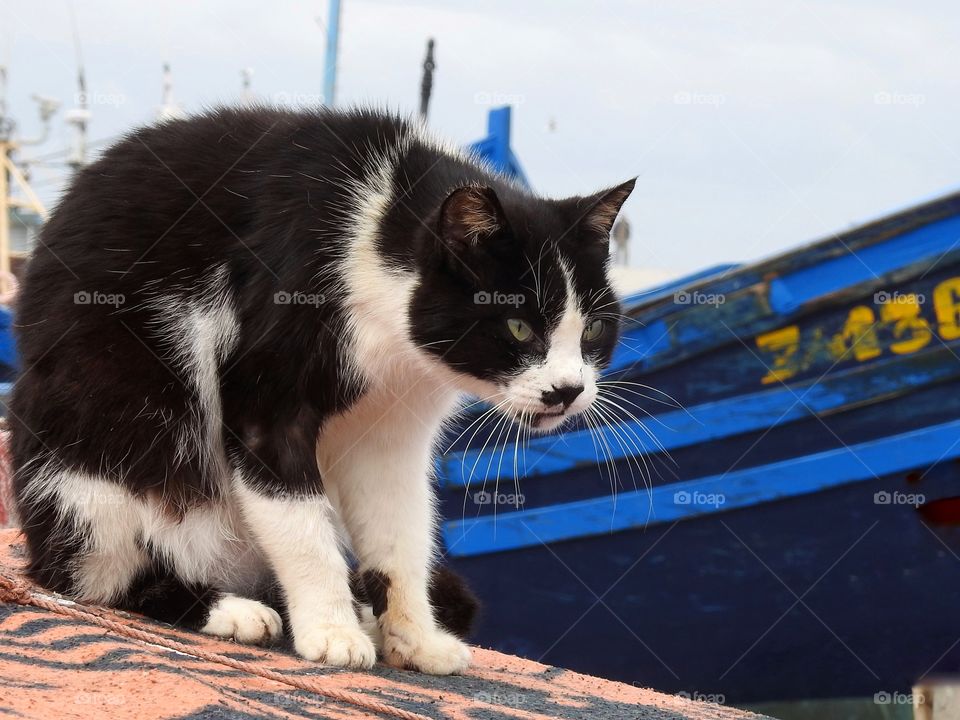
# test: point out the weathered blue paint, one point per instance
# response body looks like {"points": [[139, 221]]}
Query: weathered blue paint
{"points": [[713, 420], [669, 288], [687, 588], [495, 147], [8, 348], [641, 342], [791, 291], [762, 297], [703, 496], [709, 604]]}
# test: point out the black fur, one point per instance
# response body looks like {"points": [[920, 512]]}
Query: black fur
{"points": [[454, 604], [261, 194], [159, 594], [376, 585]]}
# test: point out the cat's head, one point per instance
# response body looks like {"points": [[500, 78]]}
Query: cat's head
{"points": [[514, 298]]}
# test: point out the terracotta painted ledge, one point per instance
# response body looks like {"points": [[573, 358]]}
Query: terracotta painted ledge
{"points": [[92, 663]]}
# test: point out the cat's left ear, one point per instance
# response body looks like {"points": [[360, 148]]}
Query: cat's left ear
{"points": [[603, 208], [469, 217]]}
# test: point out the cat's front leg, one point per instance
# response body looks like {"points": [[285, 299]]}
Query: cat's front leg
{"points": [[411, 637], [283, 503], [299, 538], [384, 493]]}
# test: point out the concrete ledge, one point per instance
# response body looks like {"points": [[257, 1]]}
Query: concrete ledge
{"points": [[60, 665]]}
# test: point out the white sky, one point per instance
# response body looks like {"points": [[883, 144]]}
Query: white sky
{"points": [[753, 126]]}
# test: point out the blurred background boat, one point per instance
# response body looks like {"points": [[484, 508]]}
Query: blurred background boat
{"points": [[767, 508]]}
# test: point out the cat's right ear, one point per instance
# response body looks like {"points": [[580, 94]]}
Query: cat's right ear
{"points": [[469, 217]]}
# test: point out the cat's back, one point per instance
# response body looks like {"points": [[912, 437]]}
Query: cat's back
{"points": [[169, 202], [163, 259], [228, 162]]}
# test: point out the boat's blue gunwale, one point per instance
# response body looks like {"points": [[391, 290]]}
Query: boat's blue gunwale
{"points": [[692, 330], [809, 254], [781, 404], [703, 496]]}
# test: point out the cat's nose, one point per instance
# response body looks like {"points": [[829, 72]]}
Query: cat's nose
{"points": [[565, 394]]}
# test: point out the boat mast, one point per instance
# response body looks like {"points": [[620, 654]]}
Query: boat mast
{"points": [[330, 62], [426, 85], [11, 176], [169, 109], [246, 93], [79, 117]]}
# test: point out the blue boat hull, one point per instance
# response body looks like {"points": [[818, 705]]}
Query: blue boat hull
{"points": [[824, 595], [799, 536]]}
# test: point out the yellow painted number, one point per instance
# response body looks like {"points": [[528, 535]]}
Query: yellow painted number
{"points": [[859, 335], [783, 343], [946, 305], [911, 331]]}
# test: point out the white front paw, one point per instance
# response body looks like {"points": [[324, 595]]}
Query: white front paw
{"points": [[338, 645], [245, 620], [431, 651]]}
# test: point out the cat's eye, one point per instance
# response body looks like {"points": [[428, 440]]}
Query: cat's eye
{"points": [[520, 329], [593, 331]]}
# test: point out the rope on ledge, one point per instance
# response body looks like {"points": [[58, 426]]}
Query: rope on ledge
{"points": [[21, 593]]}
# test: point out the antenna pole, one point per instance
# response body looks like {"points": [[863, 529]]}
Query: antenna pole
{"points": [[79, 117], [169, 110], [330, 62], [426, 86], [246, 94]]}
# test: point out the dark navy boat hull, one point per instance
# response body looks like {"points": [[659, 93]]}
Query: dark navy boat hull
{"points": [[752, 604], [802, 539]]}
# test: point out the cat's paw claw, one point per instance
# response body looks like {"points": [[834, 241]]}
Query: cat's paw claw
{"points": [[244, 620], [336, 645], [432, 651]]}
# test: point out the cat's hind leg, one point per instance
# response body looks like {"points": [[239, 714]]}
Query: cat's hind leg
{"points": [[158, 593], [93, 540], [82, 532], [204, 571]]}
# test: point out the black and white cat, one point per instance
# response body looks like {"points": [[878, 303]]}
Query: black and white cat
{"points": [[241, 335]]}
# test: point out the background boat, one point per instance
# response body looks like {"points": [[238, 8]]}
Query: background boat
{"points": [[800, 435]]}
